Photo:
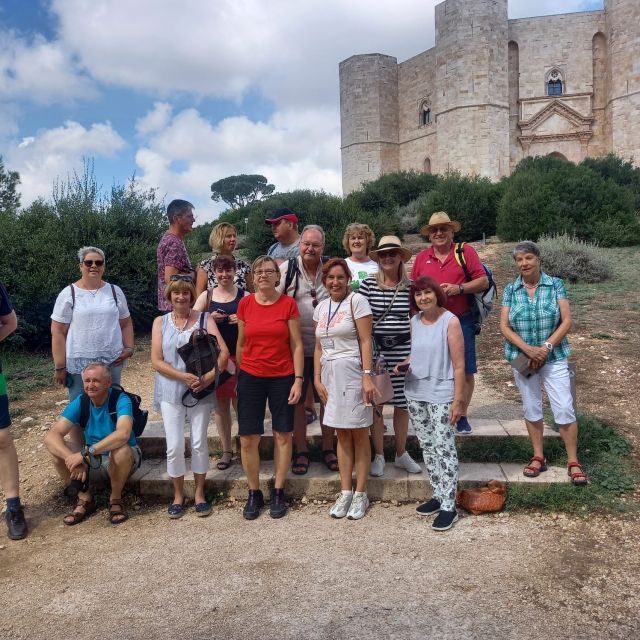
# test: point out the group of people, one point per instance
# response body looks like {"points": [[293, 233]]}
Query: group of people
{"points": [[294, 328]]}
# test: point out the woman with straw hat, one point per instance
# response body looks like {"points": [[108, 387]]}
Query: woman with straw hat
{"points": [[388, 295], [439, 262]]}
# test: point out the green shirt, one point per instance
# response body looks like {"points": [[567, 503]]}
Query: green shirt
{"points": [[535, 319]]}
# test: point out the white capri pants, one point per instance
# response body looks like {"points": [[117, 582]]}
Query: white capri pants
{"points": [[173, 416], [556, 378]]}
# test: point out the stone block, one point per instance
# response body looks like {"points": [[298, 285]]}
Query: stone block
{"points": [[553, 475]]}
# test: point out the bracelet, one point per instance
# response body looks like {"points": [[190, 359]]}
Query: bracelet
{"points": [[60, 368], [129, 349], [299, 377]]}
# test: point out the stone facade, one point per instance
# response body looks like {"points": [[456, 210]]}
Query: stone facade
{"points": [[493, 91]]}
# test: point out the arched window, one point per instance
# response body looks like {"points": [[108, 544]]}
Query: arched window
{"points": [[426, 165], [555, 83], [425, 113]]}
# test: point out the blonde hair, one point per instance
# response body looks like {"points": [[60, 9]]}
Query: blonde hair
{"points": [[180, 285], [403, 278], [216, 237], [357, 227]]}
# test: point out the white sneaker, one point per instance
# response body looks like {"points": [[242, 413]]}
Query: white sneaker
{"points": [[406, 462], [359, 506], [377, 466], [341, 505]]}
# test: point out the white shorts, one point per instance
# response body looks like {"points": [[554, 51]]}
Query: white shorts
{"points": [[556, 379]]}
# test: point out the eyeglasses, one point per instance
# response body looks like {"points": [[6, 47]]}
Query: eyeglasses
{"points": [[90, 263], [314, 301], [179, 278], [264, 272]]}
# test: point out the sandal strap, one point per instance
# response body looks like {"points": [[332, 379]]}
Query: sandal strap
{"points": [[574, 464], [118, 502], [537, 459]]}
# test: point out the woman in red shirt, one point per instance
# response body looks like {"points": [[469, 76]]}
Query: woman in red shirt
{"points": [[270, 359]]}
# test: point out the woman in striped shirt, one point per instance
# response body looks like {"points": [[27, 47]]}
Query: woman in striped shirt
{"points": [[388, 295]]}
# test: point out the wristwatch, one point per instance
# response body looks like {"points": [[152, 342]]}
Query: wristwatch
{"points": [[549, 346], [369, 372], [461, 288]]}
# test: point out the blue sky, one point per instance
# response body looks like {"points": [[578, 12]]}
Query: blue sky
{"points": [[184, 93]]}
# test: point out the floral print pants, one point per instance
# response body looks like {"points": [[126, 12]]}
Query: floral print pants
{"points": [[436, 437]]}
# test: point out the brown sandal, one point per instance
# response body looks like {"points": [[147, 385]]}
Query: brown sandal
{"points": [[579, 478], [223, 464], [300, 464], [76, 517], [118, 515], [533, 472]]}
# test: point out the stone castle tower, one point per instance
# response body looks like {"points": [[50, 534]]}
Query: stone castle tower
{"points": [[493, 90]]}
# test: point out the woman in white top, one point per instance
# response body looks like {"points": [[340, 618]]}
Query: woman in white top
{"points": [[434, 389], [357, 241], [344, 385], [170, 332], [90, 323]]}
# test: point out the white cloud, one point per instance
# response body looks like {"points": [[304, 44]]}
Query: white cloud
{"points": [[52, 153], [294, 149], [39, 71], [155, 120]]}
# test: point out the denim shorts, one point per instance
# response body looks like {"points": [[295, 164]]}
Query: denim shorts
{"points": [[5, 418], [469, 332], [253, 394]]}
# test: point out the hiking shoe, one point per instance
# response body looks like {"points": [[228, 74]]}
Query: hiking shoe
{"points": [[359, 506], [406, 462], [255, 502], [444, 520], [463, 426], [278, 506], [428, 508], [377, 466], [16, 524], [341, 505]]}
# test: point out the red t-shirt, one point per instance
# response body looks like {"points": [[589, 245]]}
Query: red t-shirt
{"points": [[266, 351], [426, 264]]}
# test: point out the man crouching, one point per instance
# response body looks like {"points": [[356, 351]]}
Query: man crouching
{"points": [[110, 451]]}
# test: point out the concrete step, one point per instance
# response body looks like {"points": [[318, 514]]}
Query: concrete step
{"points": [[152, 442], [152, 481]]}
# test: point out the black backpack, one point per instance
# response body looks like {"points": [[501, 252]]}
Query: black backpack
{"points": [[293, 272], [140, 416]]}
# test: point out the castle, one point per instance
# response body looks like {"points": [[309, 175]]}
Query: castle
{"points": [[493, 91]]}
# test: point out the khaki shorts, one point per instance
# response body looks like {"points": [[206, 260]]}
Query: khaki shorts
{"points": [[99, 470]]}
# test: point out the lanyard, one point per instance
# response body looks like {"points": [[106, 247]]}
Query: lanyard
{"points": [[331, 316]]}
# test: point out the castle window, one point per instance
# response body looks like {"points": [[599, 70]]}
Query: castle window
{"points": [[426, 165], [555, 83], [424, 113]]}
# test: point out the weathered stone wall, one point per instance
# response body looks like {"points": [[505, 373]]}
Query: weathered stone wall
{"points": [[369, 118], [623, 24]]}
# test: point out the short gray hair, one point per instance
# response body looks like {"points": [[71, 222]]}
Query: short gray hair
{"points": [[98, 365], [526, 246], [83, 251], [314, 227]]}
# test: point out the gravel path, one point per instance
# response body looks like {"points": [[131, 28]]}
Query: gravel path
{"points": [[307, 576]]}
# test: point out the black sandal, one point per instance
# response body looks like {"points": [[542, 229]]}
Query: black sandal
{"points": [[76, 517], [299, 467], [331, 463], [223, 464]]}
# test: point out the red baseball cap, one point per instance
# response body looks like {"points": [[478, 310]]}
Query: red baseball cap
{"points": [[281, 214]]}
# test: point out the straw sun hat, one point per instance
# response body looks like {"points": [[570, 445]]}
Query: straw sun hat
{"points": [[390, 243], [438, 219]]}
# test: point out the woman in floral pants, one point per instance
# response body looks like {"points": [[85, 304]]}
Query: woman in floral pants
{"points": [[433, 387]]}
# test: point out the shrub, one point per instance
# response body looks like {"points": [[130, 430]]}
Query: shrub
{"points": [[469, 199], [552, 196], [39, 250], [622, 172], [574, 260]]}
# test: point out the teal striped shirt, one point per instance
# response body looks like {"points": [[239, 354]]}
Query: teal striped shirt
{"points": [[535, 319]]}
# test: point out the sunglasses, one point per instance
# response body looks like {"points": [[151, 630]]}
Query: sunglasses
{"points": [[179, 278], [314, 295], [90, 263]]}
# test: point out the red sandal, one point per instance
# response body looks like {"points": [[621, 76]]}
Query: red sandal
{"points": [[533, 472], [578, 478]]}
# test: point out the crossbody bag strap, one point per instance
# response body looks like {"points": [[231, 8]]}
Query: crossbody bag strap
{"points": [[387, 310]]}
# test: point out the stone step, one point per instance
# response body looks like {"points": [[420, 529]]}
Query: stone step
{"points": [[152, 441], [152, 481]]}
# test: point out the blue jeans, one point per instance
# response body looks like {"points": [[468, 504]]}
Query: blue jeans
{"points": [[469, 333]]}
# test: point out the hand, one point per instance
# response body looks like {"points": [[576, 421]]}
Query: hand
{"points": [[455, 411], [537, 356], [190, 380], [219, 317], [59, 377], [398, 371], [126, 353], [322, 392], [296, 392], [233, 318], [204, 382], [74, 460], [369, 391], [450, 289]]}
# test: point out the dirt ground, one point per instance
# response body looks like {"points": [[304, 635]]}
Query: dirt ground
{"points": [[308, 576]]}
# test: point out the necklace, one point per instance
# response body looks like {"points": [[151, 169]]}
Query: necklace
{"points": [[175, 321], [531, 287]]}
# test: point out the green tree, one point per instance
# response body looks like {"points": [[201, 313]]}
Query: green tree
{"points": [[239, 191], [9, 196]]}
